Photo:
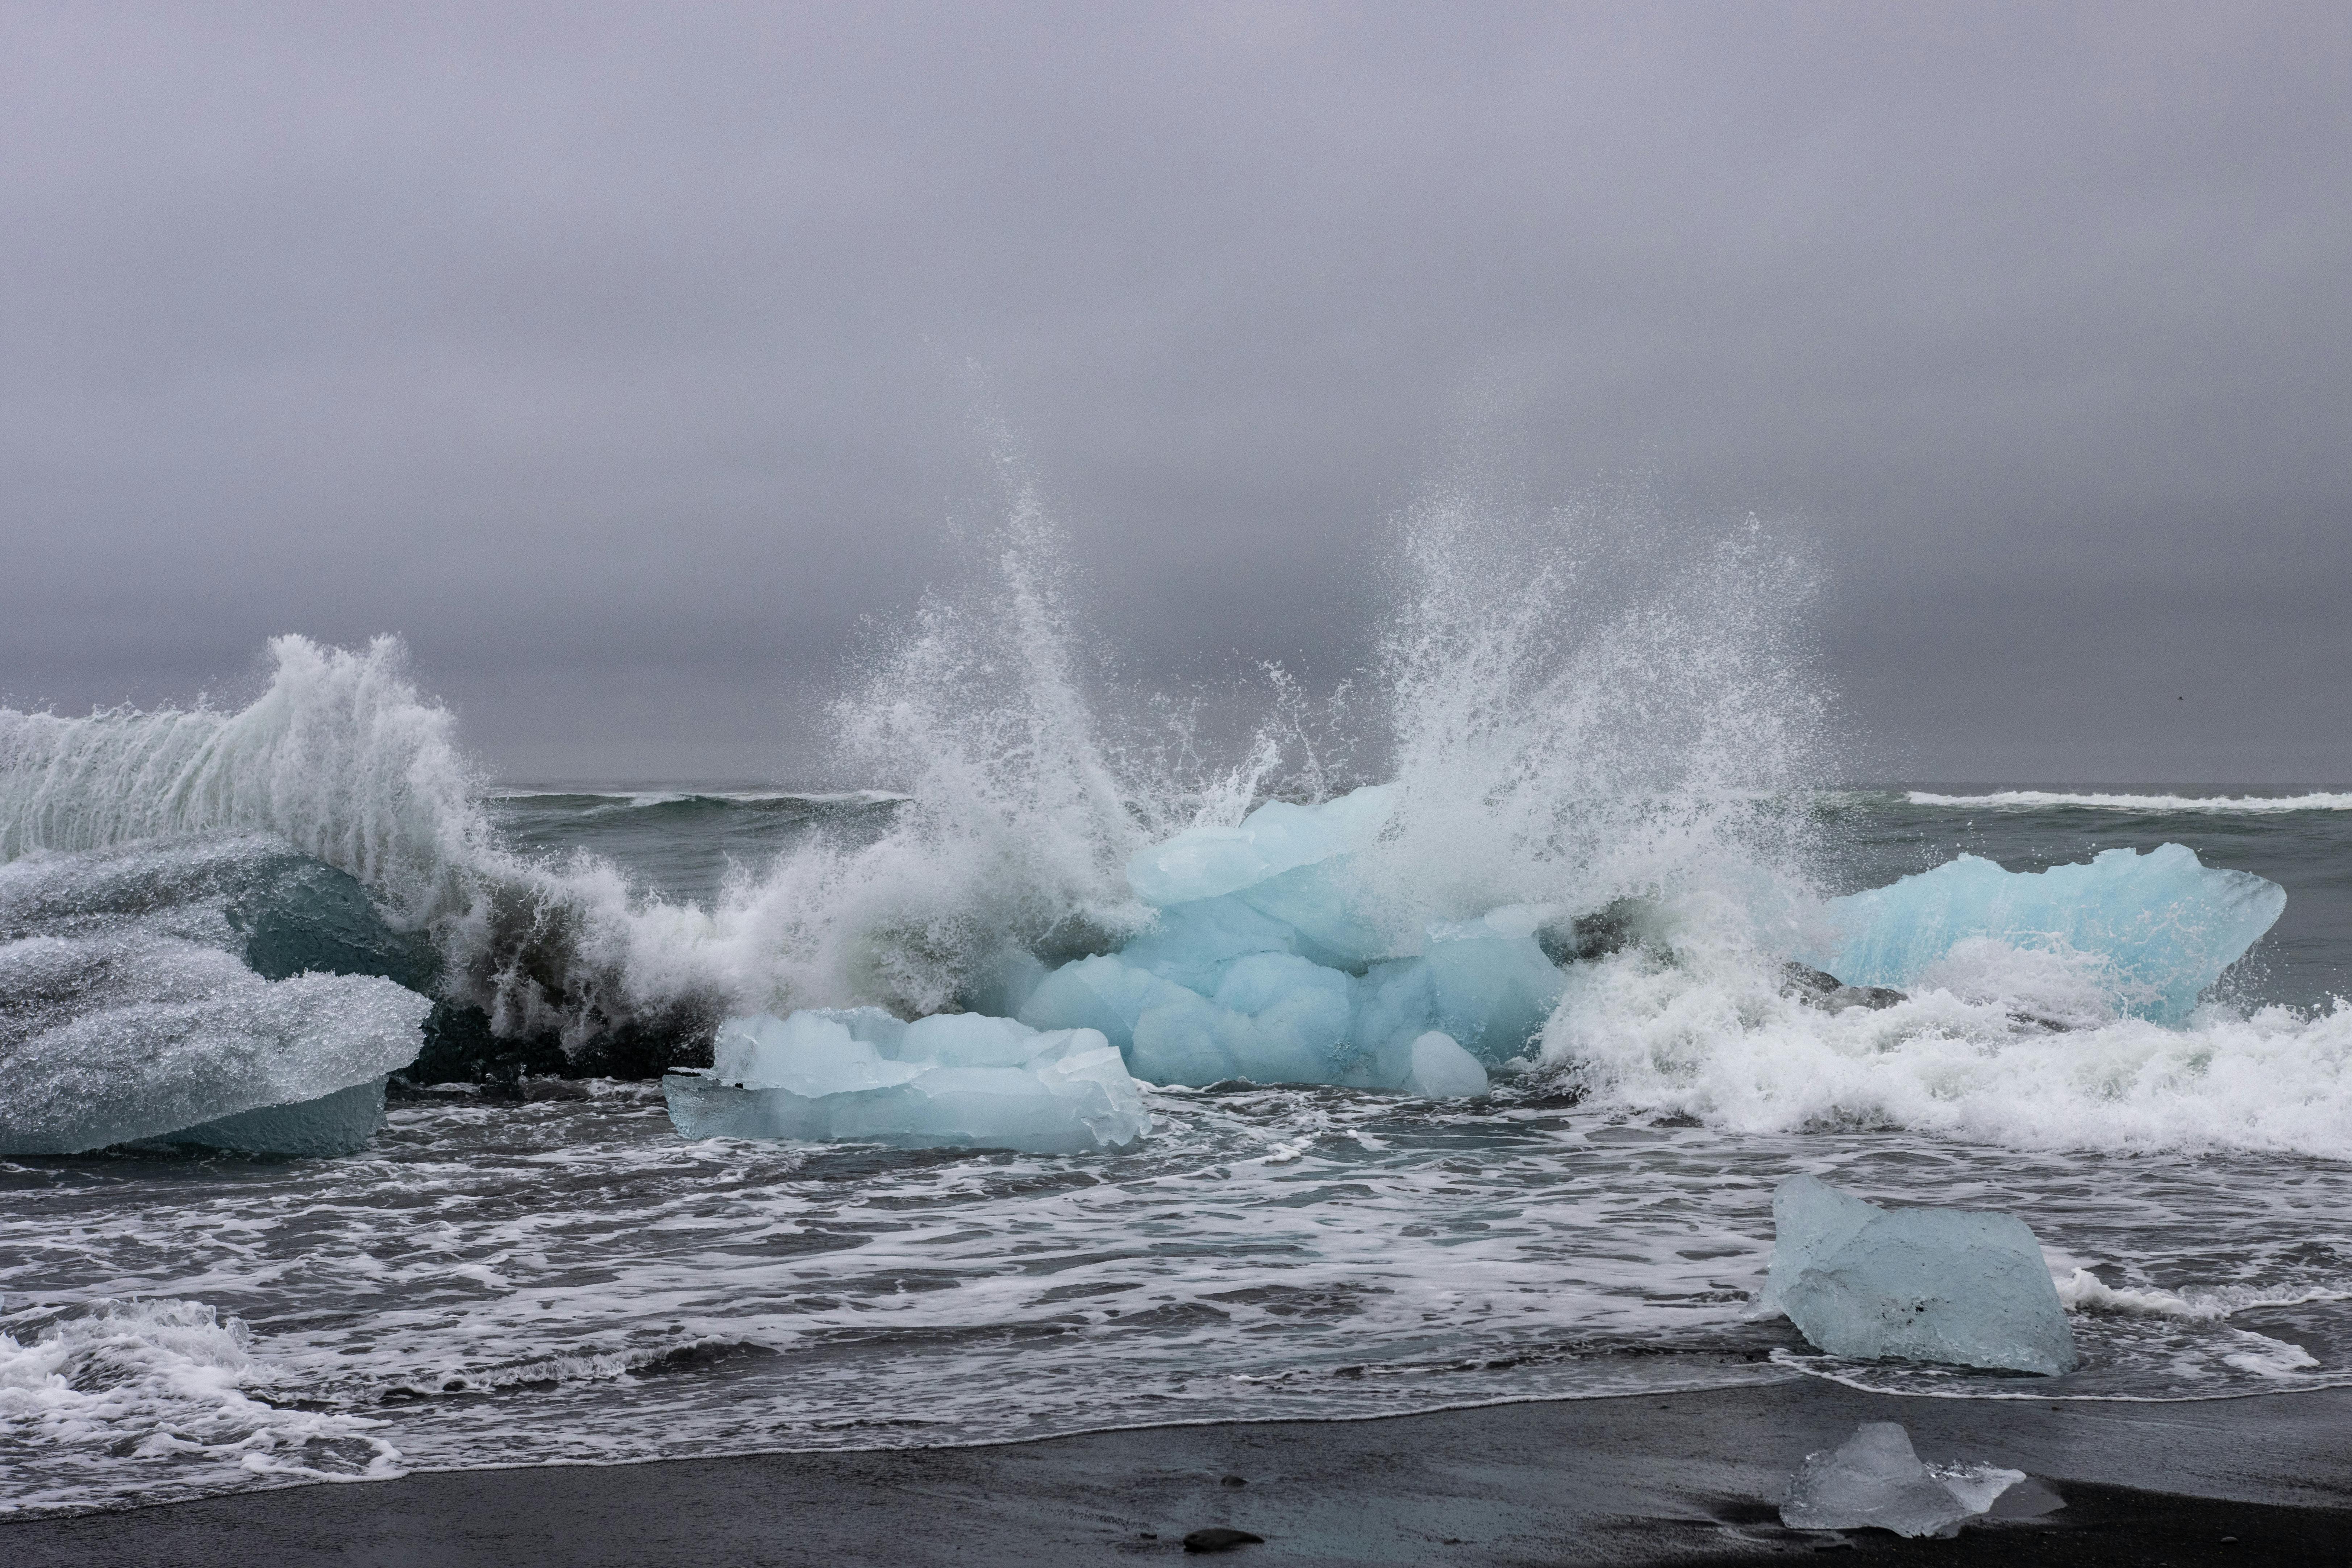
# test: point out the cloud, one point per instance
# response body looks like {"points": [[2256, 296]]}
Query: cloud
{"points": [[613, 354]]}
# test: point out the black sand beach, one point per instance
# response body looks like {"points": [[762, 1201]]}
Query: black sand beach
{"points": [[1687, 1478]]}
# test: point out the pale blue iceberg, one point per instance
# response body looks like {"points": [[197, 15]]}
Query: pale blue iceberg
{"points": [[1265, 966], [1210, 862], [1441, 1069], [1491, 987], [955, 1080], [1273, 1017], [1289, 866], [1953, 1285], [2163, 926]]}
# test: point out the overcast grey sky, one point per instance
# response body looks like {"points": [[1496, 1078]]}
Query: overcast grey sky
{"points": [[608, 352]]}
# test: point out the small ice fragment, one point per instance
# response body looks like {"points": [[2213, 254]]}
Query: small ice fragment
{"points": [[956, 1081], [1874, 1481], [1977, 1487], [1443, 1070], [1914, 1284]]}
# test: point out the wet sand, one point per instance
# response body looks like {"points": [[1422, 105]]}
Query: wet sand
{"points": [[1671, 1478]]}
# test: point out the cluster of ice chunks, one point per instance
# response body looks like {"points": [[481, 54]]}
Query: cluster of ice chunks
{"points": [[1914, 1284], [1266, 965], [131, 1008], [954, 1081], [1875, 1480], [2164, 926]]}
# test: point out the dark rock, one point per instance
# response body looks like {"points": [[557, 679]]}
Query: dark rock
{"points": [[1233, 1481], [1220, 1538], [1589, 936], [1818, 988]]}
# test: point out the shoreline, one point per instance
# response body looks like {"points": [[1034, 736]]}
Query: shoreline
{"points": [[1658, 1478]]}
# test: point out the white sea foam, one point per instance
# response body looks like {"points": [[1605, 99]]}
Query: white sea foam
{"points": [[1704, 1031], [2083, 1292], [170, 1382], [625, 799], [2031, 799]]}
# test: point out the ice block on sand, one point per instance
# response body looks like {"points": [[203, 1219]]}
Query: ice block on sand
{"points": [[1914, 1284], [860, 1076], [1875, 1480]]}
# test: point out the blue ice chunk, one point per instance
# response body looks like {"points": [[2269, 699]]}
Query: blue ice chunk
{"points": [[337, 1123], [1281, 882], [1279, 1017], [1914, 1284], [2165, 925], [1491, 986], [1194, 942], [1298, 1014], [1273, 1017], [1442, 1070], [1210, 862], [952, 1080], [1103, 993], [1324, 908], [808, 1053], [1395, 1004]]}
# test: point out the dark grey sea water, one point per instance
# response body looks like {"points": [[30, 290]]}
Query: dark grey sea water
{"points": [[560, 1278]]}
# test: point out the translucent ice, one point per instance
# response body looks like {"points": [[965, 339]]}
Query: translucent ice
{"points": [[337, 1123], [1263, 966], [1491, 986], [1282, 878], [159, 1037], [1875, 1480], [2164, 925], [962, 1080], [130, 1008], [1210, 862], [1274, 1018], [1914, 1284], [1271, 1017], [1442, 1070]]}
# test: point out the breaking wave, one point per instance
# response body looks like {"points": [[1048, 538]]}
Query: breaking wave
{"points": [[1571, 721], [163, 1379], [2226, 804]]}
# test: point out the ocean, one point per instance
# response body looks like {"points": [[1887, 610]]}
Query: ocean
{"points": [[528, 1265]]}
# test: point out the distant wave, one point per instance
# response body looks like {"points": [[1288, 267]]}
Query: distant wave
{"points": [[626, 799], [2028, 799]]}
